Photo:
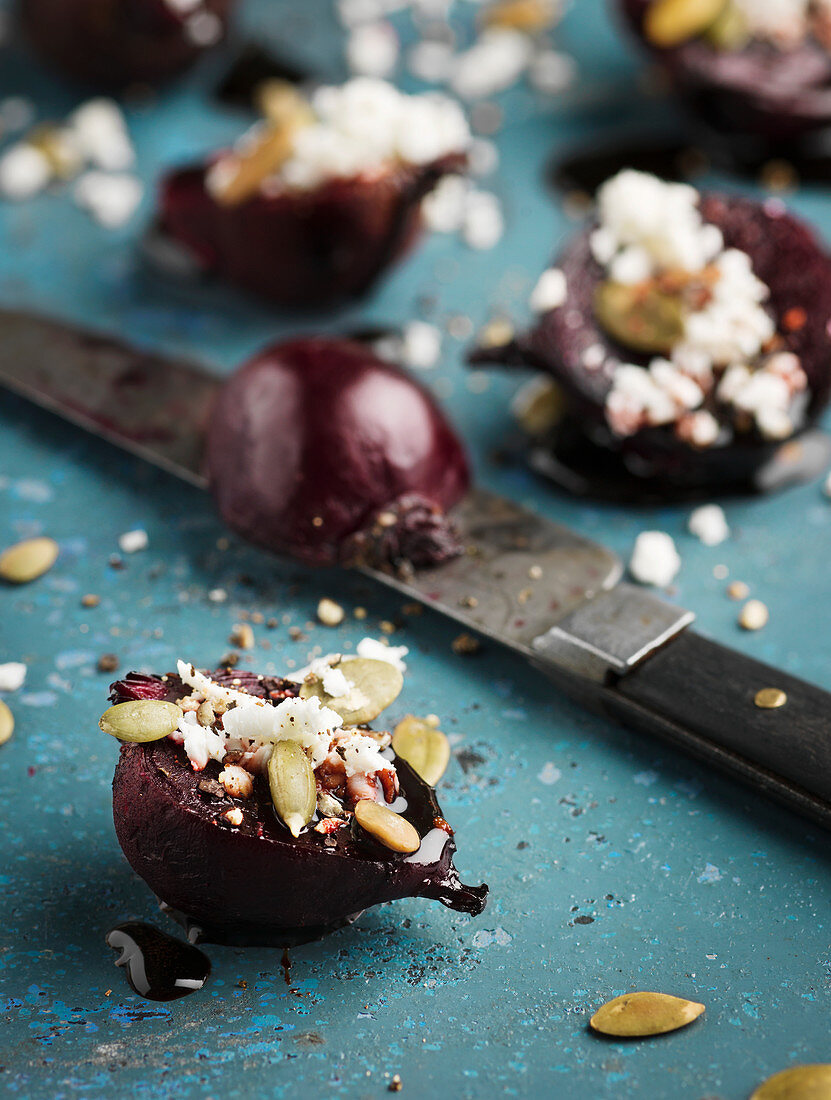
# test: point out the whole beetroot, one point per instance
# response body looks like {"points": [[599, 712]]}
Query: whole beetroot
{"points": [[313, 439]]}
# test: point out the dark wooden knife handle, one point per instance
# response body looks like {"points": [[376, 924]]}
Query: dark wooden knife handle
{"points": [[700, 695]]}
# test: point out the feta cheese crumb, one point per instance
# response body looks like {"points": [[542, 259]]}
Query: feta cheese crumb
{"points": [[421, 345], [550, 291], [482, 222], [372, 49], [709, 524], [493, 63], [335, 683], [101, 135], [132, 541], [12, 676], [377, 651], [444, 208], [654, 559], [110, 199], [24, 172]]}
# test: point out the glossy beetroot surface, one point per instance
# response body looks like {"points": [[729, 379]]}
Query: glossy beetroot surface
{"points": [[785, 255], [110, 44], [249, 884], [773, 94], [312, 438], [305, 249]]}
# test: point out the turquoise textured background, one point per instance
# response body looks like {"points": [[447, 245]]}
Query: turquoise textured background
{"points": [[686, 882]]}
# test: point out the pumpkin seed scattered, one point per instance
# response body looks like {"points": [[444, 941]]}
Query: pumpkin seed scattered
{"points": [[292, 783], [387, 827], [6, 723], [141, 720], [28, 560], [374, 685], [425, 748], [798, 1083], [645, 320], [637, 1015], [668, 23]]}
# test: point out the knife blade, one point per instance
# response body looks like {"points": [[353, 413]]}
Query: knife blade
{"points": [[546, 592]]}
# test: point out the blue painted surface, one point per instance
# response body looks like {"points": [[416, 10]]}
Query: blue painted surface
{"points": [[694, 885]]}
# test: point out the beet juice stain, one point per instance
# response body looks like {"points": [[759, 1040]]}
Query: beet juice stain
{"points": [[158, 966]]}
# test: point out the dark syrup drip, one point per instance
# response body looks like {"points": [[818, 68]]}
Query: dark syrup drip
{"points": [[158, 967], [573, 462], [285, 962], [252, 67], [255, 936]]}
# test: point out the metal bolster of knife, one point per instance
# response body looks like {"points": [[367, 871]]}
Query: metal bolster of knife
{"points": [[612, 633]]}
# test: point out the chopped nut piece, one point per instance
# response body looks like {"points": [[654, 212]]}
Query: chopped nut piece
{"points": [[738, 590], [359, 612], [236, 781], [330, 613], [754, 615], [468, 601], [466, 645], [535, 572], [395, 1084], [387, 627], [90, 600], [107, 662], [525, 595], [242, 635], [234, 816], [205, 713], [229, 660], [412, 609], [211, 788]]}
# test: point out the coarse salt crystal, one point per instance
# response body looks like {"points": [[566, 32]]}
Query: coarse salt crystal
{"points": [[709, 524], [655, 559]]}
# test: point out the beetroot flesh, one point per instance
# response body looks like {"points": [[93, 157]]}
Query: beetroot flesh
{"points": [[252, 883], [110, 44], [776, 95], [314, 437], [785, 255], [305, 249]]}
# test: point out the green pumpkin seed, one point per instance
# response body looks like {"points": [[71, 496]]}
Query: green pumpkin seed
{"points": [[292, 782], [424, 747], [669, 23], [28, 560], [797, 1083], [141, 720], [375, 684], [730, 30], [6, 723], [636, 1015], [646, 321], [387, 827]]}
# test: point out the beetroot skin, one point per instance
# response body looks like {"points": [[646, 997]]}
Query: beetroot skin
{"points": [[776, 95], [110, 44], [249, 883], [306, 249], [312, 438], [785, 255]]}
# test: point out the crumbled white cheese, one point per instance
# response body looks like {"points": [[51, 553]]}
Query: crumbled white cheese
{"points": [[12, 675], [482, 157], [655, 395], [200, 742], [444, 208], [482, 222], [236, 781], [767, 394], [431, 60], [420, 345], [495, 61], [365, 124], [654, 559], [550, 291], [132, 541], [335, 683], [709, 524], [210, 689], [24, 172], [361, 756], [100, 132], [110, 199], [372, 49], [378, 651]]}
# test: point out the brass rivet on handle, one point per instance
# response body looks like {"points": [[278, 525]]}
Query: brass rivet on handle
{"points": [[770, 698]]}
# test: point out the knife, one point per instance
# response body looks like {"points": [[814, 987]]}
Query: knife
{"points": [[549, 594]]}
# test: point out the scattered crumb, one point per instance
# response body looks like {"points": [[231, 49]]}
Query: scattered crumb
{"points": [[387, 627], [754, 615], [242, 636], [396, 1084], [465, 645], [654, 559], [110, 199], [234, 816], [708, 523], [107, 662], [90, 600], [721, 572], [330, 613], [359, 612], [738, 590], [132, 541], [535, 572], [420, 345], [217, 595]]}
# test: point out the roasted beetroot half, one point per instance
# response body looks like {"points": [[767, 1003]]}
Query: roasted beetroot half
{"points": [[570, 344], [320, 450], [305, 248], [110, 44], [220, 857], [772, 90]]}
